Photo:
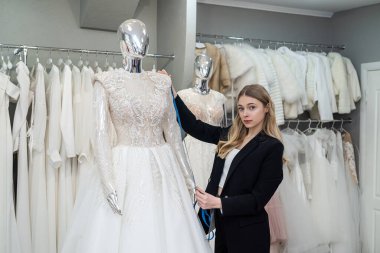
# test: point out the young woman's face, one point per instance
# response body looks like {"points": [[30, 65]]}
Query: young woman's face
{"points": [[251, 111]]}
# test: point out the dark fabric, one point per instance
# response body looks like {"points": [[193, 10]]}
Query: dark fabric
{"points": [[254, 176]]}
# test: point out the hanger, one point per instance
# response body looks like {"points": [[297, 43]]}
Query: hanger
{"points": [[3, 64], [199, 44], [80, 62], [310, 129], [288, 130], [297, 129], [106, 64], [96, 64], [154, 64], [342, 130], [114, 65], [288, 126], [9, 63], [60, 61], [68, 60], [7, 66], [49, 61], [37, 57]]}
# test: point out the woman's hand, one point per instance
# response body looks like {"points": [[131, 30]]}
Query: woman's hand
{"points": [[206, 200], [163, 71]]}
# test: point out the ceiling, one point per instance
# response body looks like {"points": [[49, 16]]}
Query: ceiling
{"points": [[322, 8], [106, 15]]}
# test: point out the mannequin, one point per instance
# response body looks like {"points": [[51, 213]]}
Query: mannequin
{"points": [[142, 186], [202, 71], [134, 42], [208, 106]]}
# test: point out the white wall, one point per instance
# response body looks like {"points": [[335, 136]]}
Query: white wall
{"points": [[359, 30], [176, 26], [56, 23], [232, 21]]}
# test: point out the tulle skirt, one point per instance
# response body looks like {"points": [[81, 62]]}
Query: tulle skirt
{"points": [[303, 235], [201, 156], [157, 209], [276, 219]]}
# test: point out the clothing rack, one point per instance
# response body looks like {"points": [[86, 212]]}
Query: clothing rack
{"points": [[319, 122], [24, 50], [200, 36]]}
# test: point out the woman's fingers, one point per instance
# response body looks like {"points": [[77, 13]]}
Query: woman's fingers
{"points": [[201, 194], [200, 190], [202, 199]]}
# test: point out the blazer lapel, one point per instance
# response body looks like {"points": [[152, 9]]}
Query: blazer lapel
{"points": [[246, 150]]}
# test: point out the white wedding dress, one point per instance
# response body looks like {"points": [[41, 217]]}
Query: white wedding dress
{"points": [[9, 236], [209, 109], [146, 166]]}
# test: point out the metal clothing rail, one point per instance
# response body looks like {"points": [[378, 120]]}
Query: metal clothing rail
{"points": [[318, 121], [24, 49], [200, 36]]}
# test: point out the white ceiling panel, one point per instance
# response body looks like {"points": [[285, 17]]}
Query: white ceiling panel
{"points": [[322, 8], [106, 15]]}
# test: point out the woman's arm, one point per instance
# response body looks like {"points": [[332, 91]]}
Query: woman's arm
{"points": [[196, 128], [269, 179]]}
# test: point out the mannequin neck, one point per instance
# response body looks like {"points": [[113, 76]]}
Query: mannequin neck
{"points": [[201, 86], [132, 65]]}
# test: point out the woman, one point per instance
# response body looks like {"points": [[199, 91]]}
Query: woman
{"points": [[246, 172]]}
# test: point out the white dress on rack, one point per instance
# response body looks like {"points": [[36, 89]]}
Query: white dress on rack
{"points": [[325, 200], [146, 165], [37, 172], [352, 189], [67, 151], [293, 147], [9, 237], [302, 234], [83, 123], [346, 224], [76, 99], [209, 109], [20, 144], [53, 158]]}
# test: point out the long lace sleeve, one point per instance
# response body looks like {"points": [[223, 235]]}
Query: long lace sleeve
{"points": [[54, 133], [173, 137], [40, 113], [101, 139]]}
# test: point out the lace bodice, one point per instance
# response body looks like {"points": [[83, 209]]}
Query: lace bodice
{"points": [[139, 106], [207, 108]]}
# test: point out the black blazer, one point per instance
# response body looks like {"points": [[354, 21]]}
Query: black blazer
{"points": [[253, 177]]}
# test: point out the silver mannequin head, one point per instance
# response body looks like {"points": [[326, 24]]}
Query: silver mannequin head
{"points": [[134, 42], [202, 70]]}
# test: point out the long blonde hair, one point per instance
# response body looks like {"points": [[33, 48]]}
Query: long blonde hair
{"points": [[238, 131]]}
